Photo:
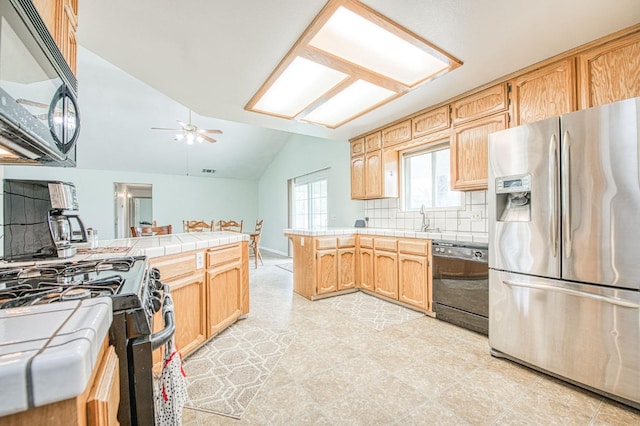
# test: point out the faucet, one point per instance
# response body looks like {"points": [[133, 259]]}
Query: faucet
{"points": [[425, 221]]}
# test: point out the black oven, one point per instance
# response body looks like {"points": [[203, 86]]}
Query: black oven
{"points": [[461, 284]]}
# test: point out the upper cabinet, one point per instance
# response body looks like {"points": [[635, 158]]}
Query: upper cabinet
{"points": [[374, 171], [396, 134], [610, 72], [61, 18], [469, 151], [544, 93], [431, 121], [481, 104]]}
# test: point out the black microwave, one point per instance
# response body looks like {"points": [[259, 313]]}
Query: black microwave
{"points": [[39, 117]]}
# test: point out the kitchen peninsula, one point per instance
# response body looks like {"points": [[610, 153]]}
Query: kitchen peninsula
{"points": [[392, 264], [208, 277]]}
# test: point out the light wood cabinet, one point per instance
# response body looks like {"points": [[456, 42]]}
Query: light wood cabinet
{"points": [[104, 397], [480, 104], [385, 267], [357, 147], [365, 269], [327, 271], [358, 178], [225, 282], [186, 283], [97, 405], [544, 93], [398, 133], [431, 121], [469, 151], [346, 262], [373, 142], [609, 72], [373, 174], [61, 19], [414, 273]]}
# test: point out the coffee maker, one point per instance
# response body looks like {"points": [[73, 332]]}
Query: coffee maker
{"points": [[40, 220]]}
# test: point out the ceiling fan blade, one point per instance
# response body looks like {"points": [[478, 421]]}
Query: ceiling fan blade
{"points": [[207, 138], [165, 128], [181, 123], [32, 103], [217, 132]]}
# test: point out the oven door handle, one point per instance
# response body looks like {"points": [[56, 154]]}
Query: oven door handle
{"points": [[161, 337]]}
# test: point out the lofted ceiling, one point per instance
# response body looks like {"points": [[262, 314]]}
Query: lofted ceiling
{"points": [[213, 55]]}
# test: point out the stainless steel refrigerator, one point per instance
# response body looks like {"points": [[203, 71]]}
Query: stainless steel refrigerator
{"points": [[564, 240]]}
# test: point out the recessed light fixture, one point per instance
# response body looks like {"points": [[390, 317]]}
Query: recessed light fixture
{"points": [[349, 61]]}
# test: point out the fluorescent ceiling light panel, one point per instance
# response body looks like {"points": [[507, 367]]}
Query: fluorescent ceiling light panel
{"points": [[358, 40], [350, 60], [350, 102], [301, 83]]}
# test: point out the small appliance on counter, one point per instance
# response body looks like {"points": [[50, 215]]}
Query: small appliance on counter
{"points": [[40, 220]]}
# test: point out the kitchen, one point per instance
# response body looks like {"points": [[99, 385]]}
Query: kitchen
{"points": [[95, 186]]}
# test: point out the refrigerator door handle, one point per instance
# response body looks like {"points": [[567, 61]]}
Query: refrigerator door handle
{"points": [[566, 198], [553, 195], [611, 300]]}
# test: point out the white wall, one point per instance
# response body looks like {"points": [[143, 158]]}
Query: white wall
{"points": [[175, 198], [302, 155]]}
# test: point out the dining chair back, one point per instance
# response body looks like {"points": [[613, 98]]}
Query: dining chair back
{"points": [[230, 225], [147, 231], [197, 226], [254, 242]]}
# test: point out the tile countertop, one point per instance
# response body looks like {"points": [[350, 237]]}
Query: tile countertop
{"points": [[48, 352], [448, 236], [155, 246]]}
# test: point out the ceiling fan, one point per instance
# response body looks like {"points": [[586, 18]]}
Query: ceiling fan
{"points": [[191, 133]]}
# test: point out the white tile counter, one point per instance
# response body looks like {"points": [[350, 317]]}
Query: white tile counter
{"points": [[399, 233], [48, 352]]}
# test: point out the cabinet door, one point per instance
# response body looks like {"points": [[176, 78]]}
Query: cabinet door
{"points": [[413, 274], [104, 397], [346, 268], [327, 271], [372, 142], [366, 269], [357, 147], [543, 93], [357, 177], [373, 174], [481, 104], [189, 306], [469, 146], [224, 296], [431, 121], [396, 134], [609, 73], [386, 274]]}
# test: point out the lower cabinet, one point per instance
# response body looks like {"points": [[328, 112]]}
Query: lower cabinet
{"points": [[414, 273], [365, 268], [347, 268], [327, 271], [385, 272], [225, 290], [104, 396], [385, 267]]}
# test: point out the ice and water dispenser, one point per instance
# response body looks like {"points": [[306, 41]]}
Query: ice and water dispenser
{"points": [[513, 198]]}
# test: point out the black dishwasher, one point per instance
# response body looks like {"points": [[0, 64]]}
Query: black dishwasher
{"points": [[461, 284]]}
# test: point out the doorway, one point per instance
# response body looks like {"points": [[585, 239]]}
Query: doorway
{"points": [[133, 204]]}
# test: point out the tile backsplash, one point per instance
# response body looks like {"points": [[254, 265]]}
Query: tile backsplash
{"points": [[470, 218]]}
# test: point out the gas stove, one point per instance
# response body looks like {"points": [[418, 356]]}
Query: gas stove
{"points": [[126, 280], [136, 293]]}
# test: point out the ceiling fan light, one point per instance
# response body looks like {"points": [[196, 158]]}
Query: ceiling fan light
{"points": [[190, 138], [179, 136], [199, 138]]}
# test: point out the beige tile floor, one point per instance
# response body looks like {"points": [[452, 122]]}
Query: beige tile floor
{"points": [[422, 372]]}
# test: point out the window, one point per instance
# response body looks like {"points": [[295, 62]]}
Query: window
{"points": [[426, 179], [310, 201]]}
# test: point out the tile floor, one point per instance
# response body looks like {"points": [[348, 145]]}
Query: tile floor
{"points": [[338, 371]]}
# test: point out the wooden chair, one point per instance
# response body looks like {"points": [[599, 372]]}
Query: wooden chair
{"points": [[197, 226], [254, 242], [147, 231], [231, 225]]}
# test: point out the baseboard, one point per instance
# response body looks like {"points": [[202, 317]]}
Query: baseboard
{"points": [[270, 250]]}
